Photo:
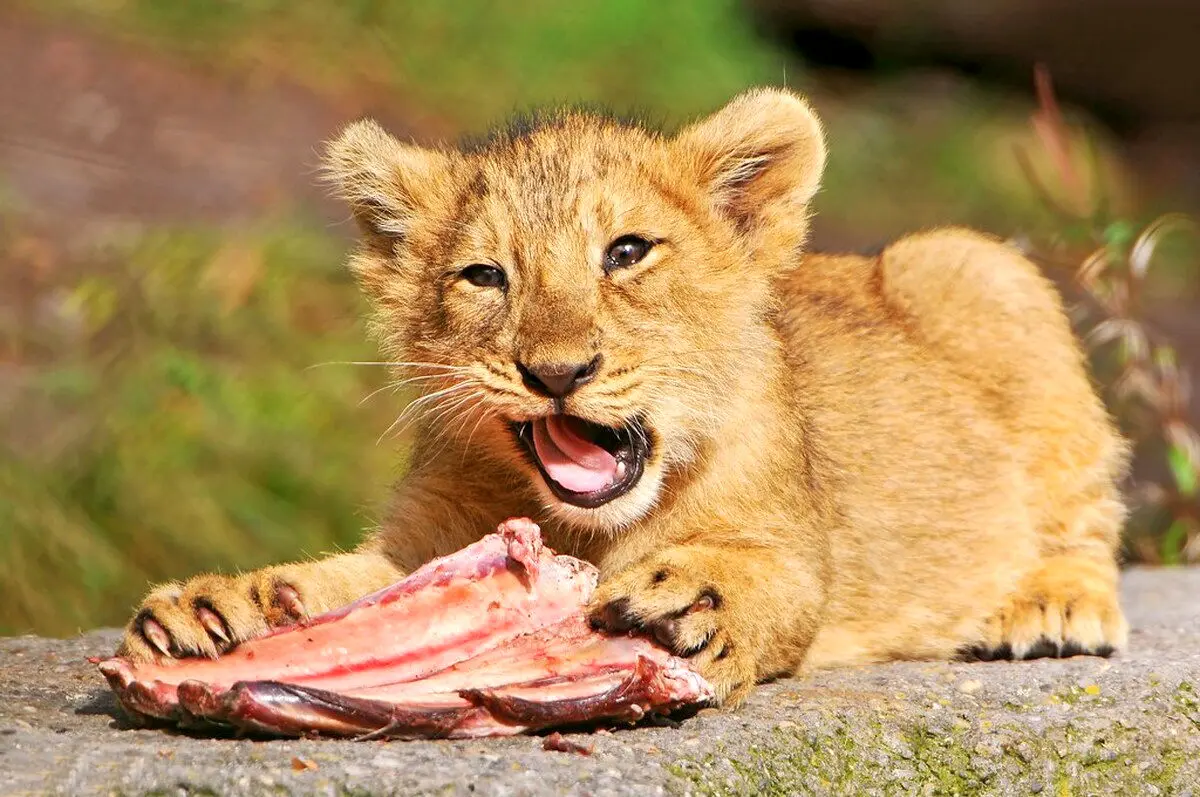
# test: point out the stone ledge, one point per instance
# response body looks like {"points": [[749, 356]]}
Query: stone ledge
{"points": [[1078, 726]]}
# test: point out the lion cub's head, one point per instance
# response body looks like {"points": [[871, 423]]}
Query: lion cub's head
{"points": [[581, 297]]}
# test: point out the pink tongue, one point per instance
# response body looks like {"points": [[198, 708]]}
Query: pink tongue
{"points": [[573, 461]]}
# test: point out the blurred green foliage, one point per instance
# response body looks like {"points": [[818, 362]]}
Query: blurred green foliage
{"points": [[461, 67], [470, 61], [172, 420]]}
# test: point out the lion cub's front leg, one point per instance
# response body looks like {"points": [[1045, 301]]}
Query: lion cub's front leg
{"points": [[209, 614], [741, 614]]}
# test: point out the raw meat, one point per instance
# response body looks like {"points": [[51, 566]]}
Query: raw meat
{"points": [[489, 641], [560, 744]]}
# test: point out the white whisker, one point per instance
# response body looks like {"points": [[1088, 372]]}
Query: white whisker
{"points": [[487, 413], [396, 385], [442, 422], [397, 364], [416, 408]]}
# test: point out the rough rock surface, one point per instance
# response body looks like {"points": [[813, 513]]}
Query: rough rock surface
{"points": [[1130, 725]]}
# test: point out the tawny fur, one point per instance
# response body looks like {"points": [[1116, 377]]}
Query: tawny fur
{"points": [[855, 459]]}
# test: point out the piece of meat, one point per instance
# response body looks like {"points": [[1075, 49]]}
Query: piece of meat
{"points": [[558, 743], [448, 610], [491, 640]]}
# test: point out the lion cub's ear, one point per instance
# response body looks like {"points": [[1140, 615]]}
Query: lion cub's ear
{"points": [[760, 158], [386, 183]]}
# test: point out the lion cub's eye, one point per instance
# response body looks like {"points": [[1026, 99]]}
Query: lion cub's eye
{"points": [[626, 251], [485, 276]]}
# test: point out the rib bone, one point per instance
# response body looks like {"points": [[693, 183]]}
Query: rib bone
{"points": [[491, 640]]}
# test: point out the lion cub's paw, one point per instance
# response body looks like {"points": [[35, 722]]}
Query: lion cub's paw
{"points": [[686, 613], [209, 614], [1068, 608]]}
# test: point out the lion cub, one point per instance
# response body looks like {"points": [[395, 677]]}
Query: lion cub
{"points": [[775, 458]]}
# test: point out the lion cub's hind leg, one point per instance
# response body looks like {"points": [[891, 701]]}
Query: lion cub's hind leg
{"points": [[1068, 607]]}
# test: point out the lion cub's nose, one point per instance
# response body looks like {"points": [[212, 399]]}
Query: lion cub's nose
{"points": [[558, 380]]}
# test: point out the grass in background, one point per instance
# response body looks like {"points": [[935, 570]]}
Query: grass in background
{"points": [[171, 420], [907, 152], [468, 62], [910, 154]]}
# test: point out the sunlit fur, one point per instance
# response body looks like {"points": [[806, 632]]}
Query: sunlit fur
{"points": [[544, 201], [856, 459]]}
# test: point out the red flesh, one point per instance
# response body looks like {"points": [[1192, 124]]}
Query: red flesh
{"points": [[560, 744], [491, 640]]}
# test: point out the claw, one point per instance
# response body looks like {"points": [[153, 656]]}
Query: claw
{"points": [[665, 633], [289, 599], [614, 617], [156, 635], [212, 623]]}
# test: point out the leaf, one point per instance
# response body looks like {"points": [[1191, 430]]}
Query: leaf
{"points": [[1106, 332], [1093, 268], [1171, 545], [1165, 360], [1147, 242], [1119, 234], [1135, 382], [1184, 471]]}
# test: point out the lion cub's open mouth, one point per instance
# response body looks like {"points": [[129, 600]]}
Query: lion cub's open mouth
{"points": [[583, 463]]}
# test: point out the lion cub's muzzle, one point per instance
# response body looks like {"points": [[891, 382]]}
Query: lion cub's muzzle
{"points": [[558, 380], [583, 463]]}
